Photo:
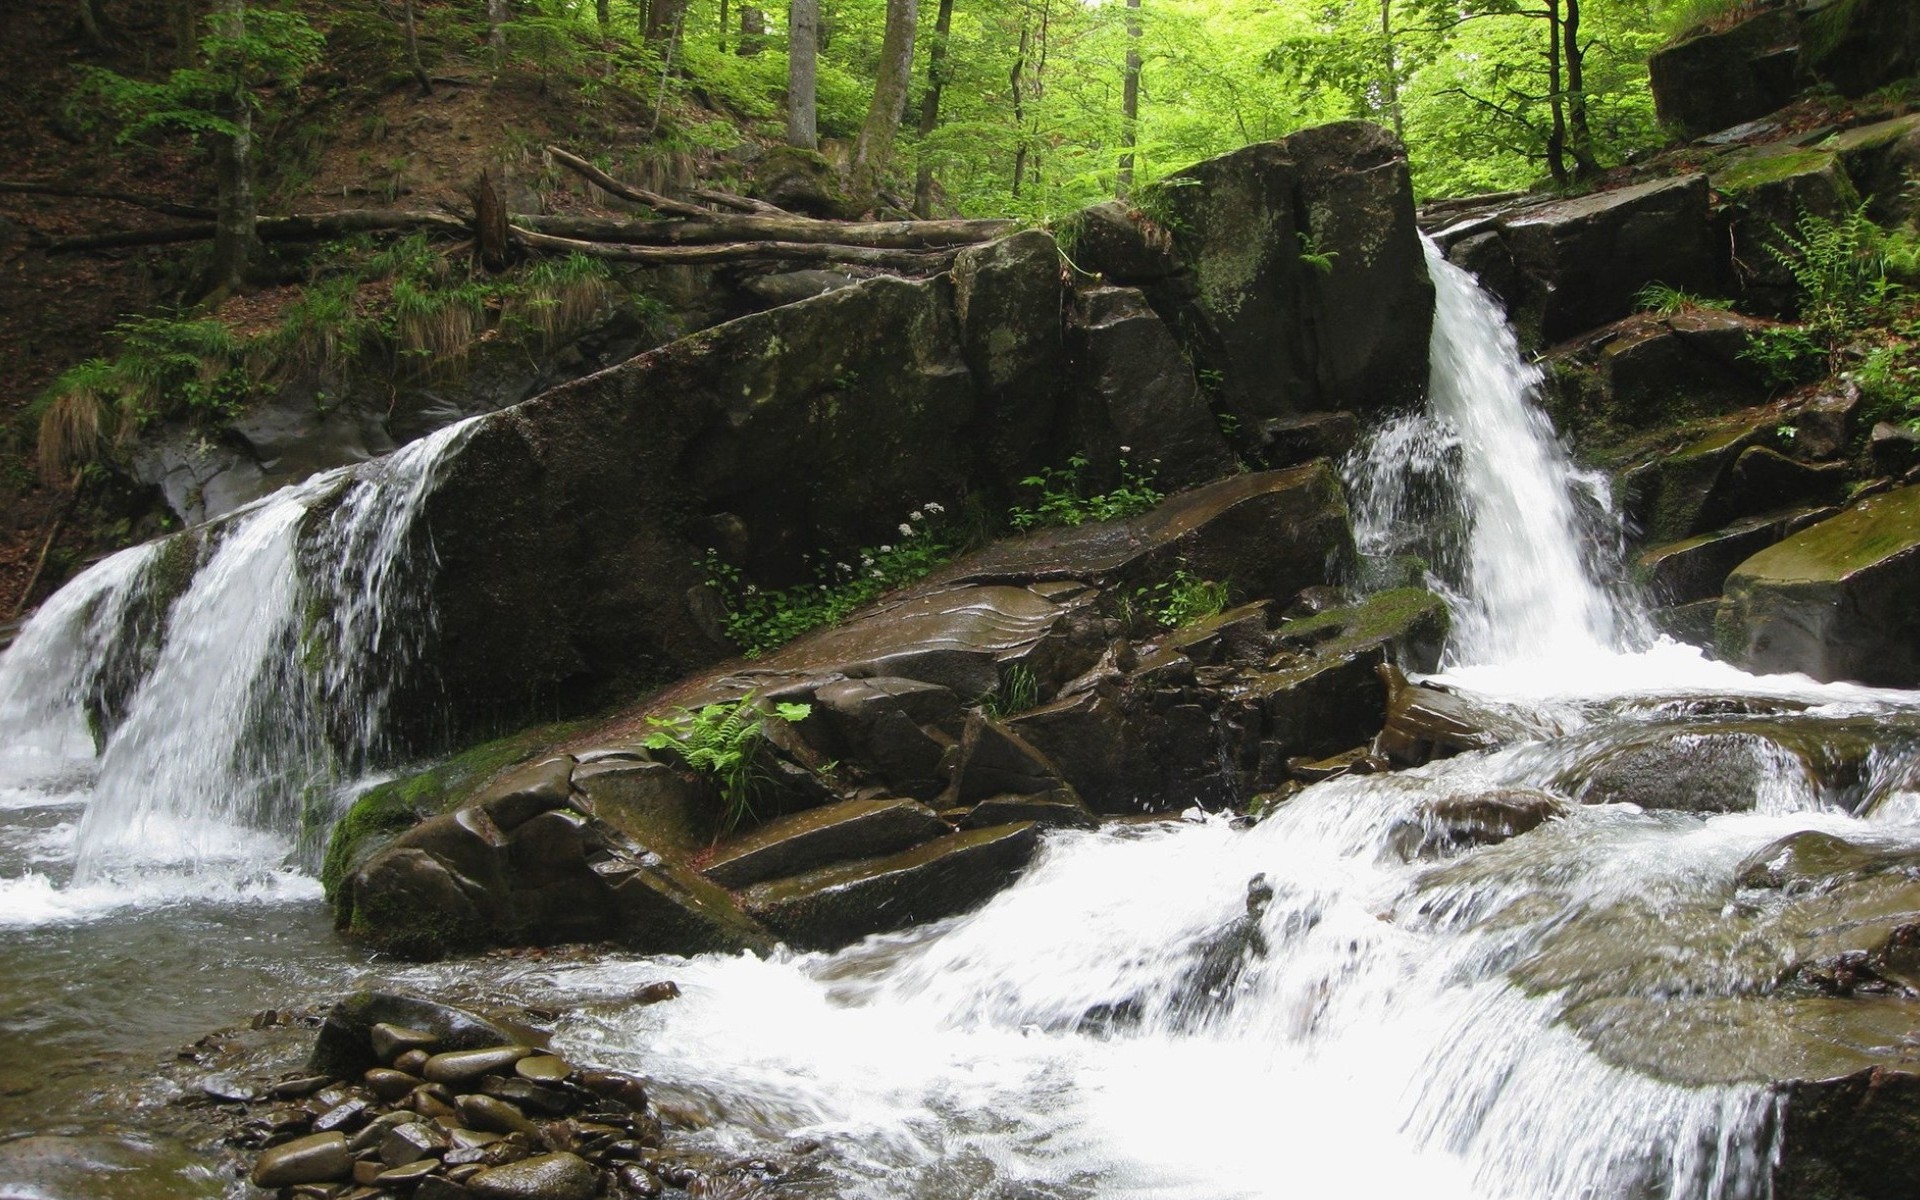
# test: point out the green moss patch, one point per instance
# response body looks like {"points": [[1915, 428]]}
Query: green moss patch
{"points": [[1745, 174], [1861, 537]]}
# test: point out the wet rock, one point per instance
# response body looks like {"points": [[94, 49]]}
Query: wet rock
{"points": [[1139, 392], [464, 1066], [391, 1085], [1120, 243], [320, 1158], [834, 906], [529, 792], [1678, 495], [1236, 635], [1813, 859], [435, 1187], [344, 1047], [1695, 568], [1424, 723], [1772, 188], [494, 1116], [1893, 449], [543, 1177], [1877, 42], [1718, 79], [543, 1068], [1834, 600], [1697, 772], [656, 992], [996, 761], [653, 803], [1050, 810], [1837, 1133], [1007, 297], [407, 1174], [527, 1095], [1453, 823], [341, 1117], [1647, 372], [803, 841], [627, 1089], [410, 1143], [390, 1041], [900, 728]]}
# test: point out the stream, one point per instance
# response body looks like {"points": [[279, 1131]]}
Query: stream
{"points": [[1566, 1015]]}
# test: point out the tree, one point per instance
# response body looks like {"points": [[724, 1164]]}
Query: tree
{"points": [[930, 107], [803, 27], [1130, 101], [873, 149]]}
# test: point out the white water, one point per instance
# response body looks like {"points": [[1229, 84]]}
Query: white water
{"points": [[1379, 1047], [260, 688]]}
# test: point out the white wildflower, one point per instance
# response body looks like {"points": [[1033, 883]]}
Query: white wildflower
{"points": [[934, 506], [906, 530], [886, 549]]}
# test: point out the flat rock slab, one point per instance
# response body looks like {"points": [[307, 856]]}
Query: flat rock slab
{"points": [[836, 906], [1834, 601], [853, 829]]}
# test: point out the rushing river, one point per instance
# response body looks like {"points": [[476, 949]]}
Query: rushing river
{"points": [[1135, 1017]]}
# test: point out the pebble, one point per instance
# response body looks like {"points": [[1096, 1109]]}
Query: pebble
{"points": [[305, 1085], [495, 1116], [654, 993], [543, 1068], [639, 1181], [410, 1143], [528, 1095], [226, 1089], [545, 1177], [615, 1085], [461, 1066], [412, 1062], [341, 1117], [419, 1168], [370, 1137], [435, 1187], [319, 1158], [391, 1041], [389, 1084]]}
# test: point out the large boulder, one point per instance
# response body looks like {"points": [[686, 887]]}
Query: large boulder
{"points": [[1650, 371], [1721, 78], [1138, 397], [1834, 601], [1771, 189], [1864, 44]]}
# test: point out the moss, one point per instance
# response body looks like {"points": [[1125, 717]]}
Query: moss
{"points": [[399, 804], [1859, 538], [1870, 137], [1406, 617], [1745, 174]]}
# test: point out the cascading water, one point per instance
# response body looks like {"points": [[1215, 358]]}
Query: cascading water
{"points": [[234, 674], [1315, 1004], [1478, 485]]}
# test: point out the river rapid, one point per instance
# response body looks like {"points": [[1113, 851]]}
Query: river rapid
{"points": [[1191, 1008]]}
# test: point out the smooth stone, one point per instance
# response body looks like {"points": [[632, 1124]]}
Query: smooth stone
{"points": [[543, 1068], [370, 1137], [410, 1143], [293, 1089], [436, 1187], [460, 1066], [389, 1084], [319, 1158], [341, 1117], [412, 1062], [367, 1170], [530, 1096], [226, 1089], [619, 1086], [545, 1177], [654, 993], [418, 1169], [497, 1116], [471, 1139], [639, 1181], [391, 1041]]}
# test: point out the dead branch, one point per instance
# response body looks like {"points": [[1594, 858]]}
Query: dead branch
{"points": [[928, 260], [738, 203], [625, 191], [725, 229]]}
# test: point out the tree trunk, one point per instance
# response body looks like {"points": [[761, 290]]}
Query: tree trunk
{"points": [[718, 228], [1390, 59], [663, 19], [603, 15], [1579, 132], [413, 51], [1556, 100], [185, 30], [497, 18], [753, 30], [490, 223], [235, 211], [1129, 101], [873, 149], [803, 27], [723, 25], [1019, 109], [90, 25], [930, 108]]}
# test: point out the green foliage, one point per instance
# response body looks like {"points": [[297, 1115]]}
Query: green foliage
{"points": [[1182, 600], [1662, 300], [1312, 257], [1063, 499], [1845, 268], [719, 741], [1682, 18], [1017, 691], [761, 619], [1889, 382], [1788, 354]]}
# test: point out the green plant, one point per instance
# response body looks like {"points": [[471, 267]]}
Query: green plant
{"points": [[1665, 301], [719, 741], [558, 297], [1312, 256], [1017, 691], [760, 619], [1180, 601], [1064, 501], [1846, 269], [1788, 354]]}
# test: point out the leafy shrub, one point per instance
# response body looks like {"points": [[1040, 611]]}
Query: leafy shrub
{"points": [[1182, 600], [1666, 301], [719, 741], [1064, 501]]}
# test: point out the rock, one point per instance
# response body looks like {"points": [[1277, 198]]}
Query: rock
{"points": [[789, 287], [543, 1068], [1122, 244], [1288, 441], [494, 1116], [1772, 188], [1893, 449], [1835, 1137], [410, 1143], [1007, 295], [1683, 493], [391, 1085], [407, 1174], [656, 992], [834, 906], [618, 1086], [1138, 392], [1695, 568], [543, 1177], [343, 1048], [996, 761], [528, 1096], [1835, 600], [528, 792], [436, 1187], [1051, 810], [803, 841], [800, 181], [1238, 635], [1452, 823], [1424, 723], [1646, 372], [1877, 43], [1714, 80], [1678, 772], [1581, 262], [660, 907], [1762, 479], [464, 1066], [320, 1158], [653, 803], [1814, 860], [900, 729]]}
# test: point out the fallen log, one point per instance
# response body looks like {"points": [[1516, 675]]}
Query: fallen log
{"points": [[275, 229], [625, 191], [928, 259], [718, 228], [743, 204]]}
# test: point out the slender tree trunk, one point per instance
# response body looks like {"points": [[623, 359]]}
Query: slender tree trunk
{"points": [[90, 24], [1130, 101], [930, 108], [873, 149], [723, 26], [1579, 132], [413, 51], [753, 30], [235, 210], [1556, 100], [603, 15], [497, 18], [1019, 107], [663, 19], [186, 34], [803, 27], [1390, 59]]}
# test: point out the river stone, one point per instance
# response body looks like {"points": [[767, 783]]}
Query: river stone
{"points": [[461, 1066], [543, 1068], [835, 906], [1834, 601], [344, 1050], [528, 792], [1452, 823], [1138, 397], [407, 1173], [409, 1143], [494, 1116], [544, 1177], [439, 1187], [389, 1084], [527, 1095], [1050, 810], [1682, 771], [320, 1158], [391, 1041], [1695, 568], [803, 841], [1814, 859], [618, 1086], [1424, 723]]}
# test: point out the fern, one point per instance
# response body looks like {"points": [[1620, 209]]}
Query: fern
{"points": [[720, 741]]}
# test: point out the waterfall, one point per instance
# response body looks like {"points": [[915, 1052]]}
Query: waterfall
{"points": [[1478, 489], [255, 680]]}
